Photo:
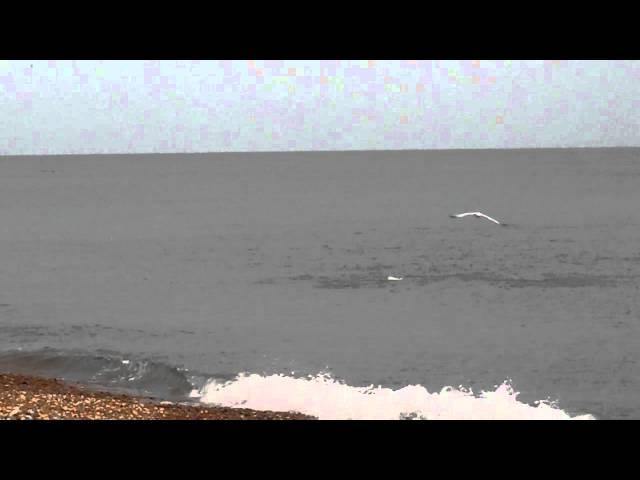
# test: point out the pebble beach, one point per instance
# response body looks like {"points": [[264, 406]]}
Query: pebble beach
{"points": [[35, 398]]}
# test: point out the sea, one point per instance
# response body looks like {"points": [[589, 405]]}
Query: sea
{"points": [[261, 280]]}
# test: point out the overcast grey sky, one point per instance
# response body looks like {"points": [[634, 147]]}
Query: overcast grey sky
{"points": [[61, 107]]}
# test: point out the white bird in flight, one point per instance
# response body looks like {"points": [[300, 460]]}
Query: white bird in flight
{"points": [[396, 279], [475, 214]]}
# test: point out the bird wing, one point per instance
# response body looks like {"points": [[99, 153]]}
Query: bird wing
{"points": [[460, 215], [480, 214]]}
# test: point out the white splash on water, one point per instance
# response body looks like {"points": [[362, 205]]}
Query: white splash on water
{"points": [[327, 399]]}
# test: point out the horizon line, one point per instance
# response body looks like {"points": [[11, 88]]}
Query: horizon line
{"points": [[221, 152]]}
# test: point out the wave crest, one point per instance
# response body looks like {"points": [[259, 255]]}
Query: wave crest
{"points": [[328, 399]]}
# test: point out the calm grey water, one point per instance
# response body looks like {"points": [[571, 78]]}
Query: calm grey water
{"points": [[277, 262]]}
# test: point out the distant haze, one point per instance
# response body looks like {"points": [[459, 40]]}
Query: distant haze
{"points": [[79, 107]]}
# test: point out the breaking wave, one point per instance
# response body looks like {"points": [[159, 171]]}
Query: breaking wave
{"points": [[320, 396], [328, 399]]}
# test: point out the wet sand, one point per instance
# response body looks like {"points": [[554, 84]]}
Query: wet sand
{"points": [[36, 398]]}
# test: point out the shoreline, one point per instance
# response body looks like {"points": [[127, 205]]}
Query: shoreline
{"points": [[27, 397]]}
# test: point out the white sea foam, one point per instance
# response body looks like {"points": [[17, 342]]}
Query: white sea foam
{"points": [[327, 399]]}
